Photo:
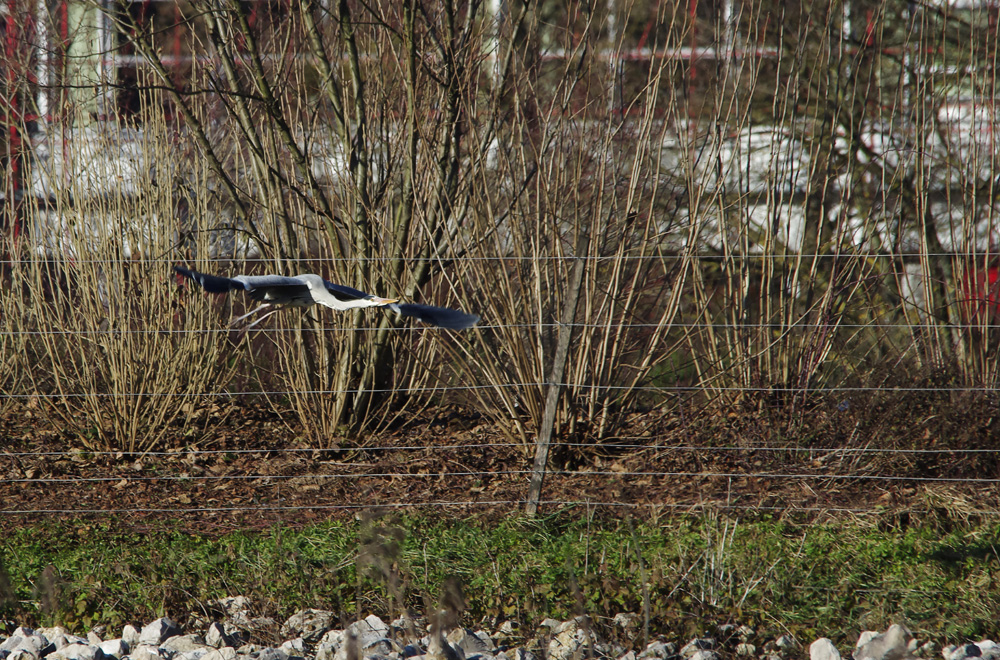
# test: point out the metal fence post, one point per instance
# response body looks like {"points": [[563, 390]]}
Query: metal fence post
{"points": [[556, 377]]}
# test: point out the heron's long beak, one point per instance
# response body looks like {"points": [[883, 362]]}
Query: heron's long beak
{"points": [[384, 301]]}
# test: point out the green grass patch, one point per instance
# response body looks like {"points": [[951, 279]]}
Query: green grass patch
{"points": [[823, 579]]}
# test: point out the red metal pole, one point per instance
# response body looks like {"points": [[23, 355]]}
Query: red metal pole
{"points": [[11, 116]]}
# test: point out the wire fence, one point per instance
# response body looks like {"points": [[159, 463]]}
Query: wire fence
{"points": [[985, 253], [756, 248], [177, 471]]}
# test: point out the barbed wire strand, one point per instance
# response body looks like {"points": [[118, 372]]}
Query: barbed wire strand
{"points": [[812, 389], [668, 256], [493, 473], [193, 451], [880, 511], [509, 326]]}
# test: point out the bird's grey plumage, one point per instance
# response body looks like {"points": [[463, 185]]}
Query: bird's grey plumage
{"points": [[309, 289]]}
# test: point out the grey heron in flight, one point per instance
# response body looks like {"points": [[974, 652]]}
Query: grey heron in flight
{"points": [[307, 290]]}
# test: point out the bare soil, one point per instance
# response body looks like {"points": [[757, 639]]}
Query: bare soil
{"points": [[251, 470]]}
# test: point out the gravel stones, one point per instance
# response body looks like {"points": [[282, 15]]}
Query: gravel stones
{"points": [[571, 639], [310, 635], [25, 644]]}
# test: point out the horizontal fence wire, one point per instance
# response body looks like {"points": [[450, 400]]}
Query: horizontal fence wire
{"points": [[497, 473], [672, 256], [589, 504], [194, 451], [508, 326], [813, 389]]}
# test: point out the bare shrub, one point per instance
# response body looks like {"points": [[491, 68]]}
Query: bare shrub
{"points": [[118, 357]]}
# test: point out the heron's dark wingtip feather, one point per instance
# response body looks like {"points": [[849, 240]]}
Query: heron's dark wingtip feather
{"points": [[451, 319], [210, 283]]}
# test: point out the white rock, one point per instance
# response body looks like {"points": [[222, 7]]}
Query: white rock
{"points": [[989, 649], [865, 637], [705, 654], [369, 630], [628, 656], [220, 634], [11, 643], [379, 647], [745, 633], [149, 652], [224, 653], [572, 639], [94, 638], [348, 648], [626, 620], [60, 637], [215, 635], [58, 640], [745, 649], [130, 635], [114, 647], [20, 654], [194, 654], [660, 650], [786, 643], [471, 642], [156, 632], [77, 651], [508, 629], [698, 644], [823, 649], [961, 652], [438, 648], [295, 646], [893, 644], [25, 641], [185, 644], [268, 654], [329, 645]]}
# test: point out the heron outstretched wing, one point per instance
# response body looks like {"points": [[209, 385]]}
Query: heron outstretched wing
{"points": [[441, 317], [276, 289], [265, 288], [210, 283], [344, 293]]}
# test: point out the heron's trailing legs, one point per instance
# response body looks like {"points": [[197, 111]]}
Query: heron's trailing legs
{"points": [[244, 330], [253, 311]]}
